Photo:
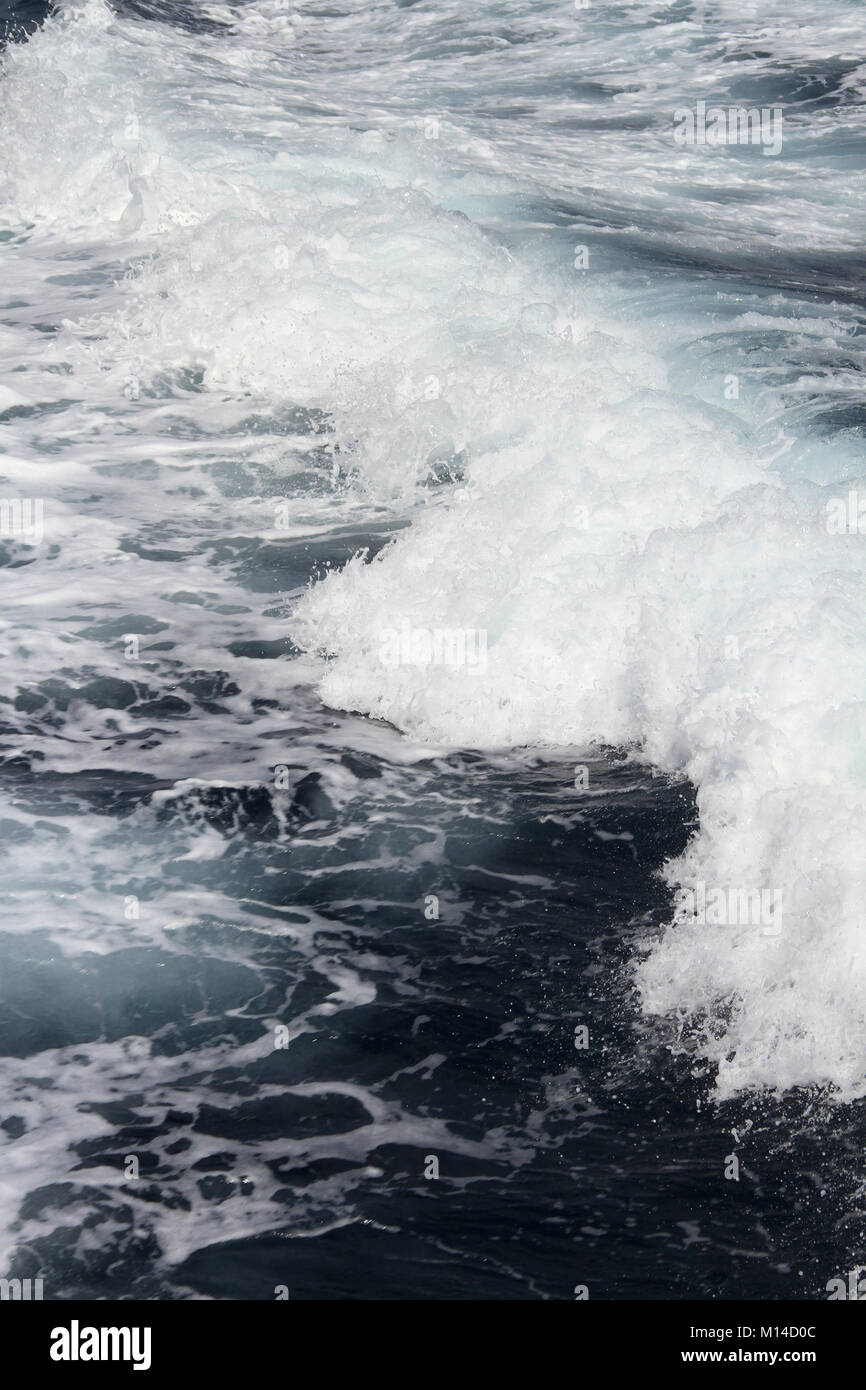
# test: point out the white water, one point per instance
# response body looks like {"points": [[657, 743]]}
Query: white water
{"points": [[649, 558]]}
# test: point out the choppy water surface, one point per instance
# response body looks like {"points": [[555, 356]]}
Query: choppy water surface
{"points": [[324, 320]]}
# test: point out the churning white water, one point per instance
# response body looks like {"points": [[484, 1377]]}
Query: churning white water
{"points": [[444, 271], [605, 352]]}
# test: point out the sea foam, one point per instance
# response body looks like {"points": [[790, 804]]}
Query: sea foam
{"points": [[648, 568]]}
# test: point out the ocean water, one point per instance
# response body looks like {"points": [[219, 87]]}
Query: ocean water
{"points": [[432, 531]]}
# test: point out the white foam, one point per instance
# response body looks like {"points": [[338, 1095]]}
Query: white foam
{"points": [[645, 572]]}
